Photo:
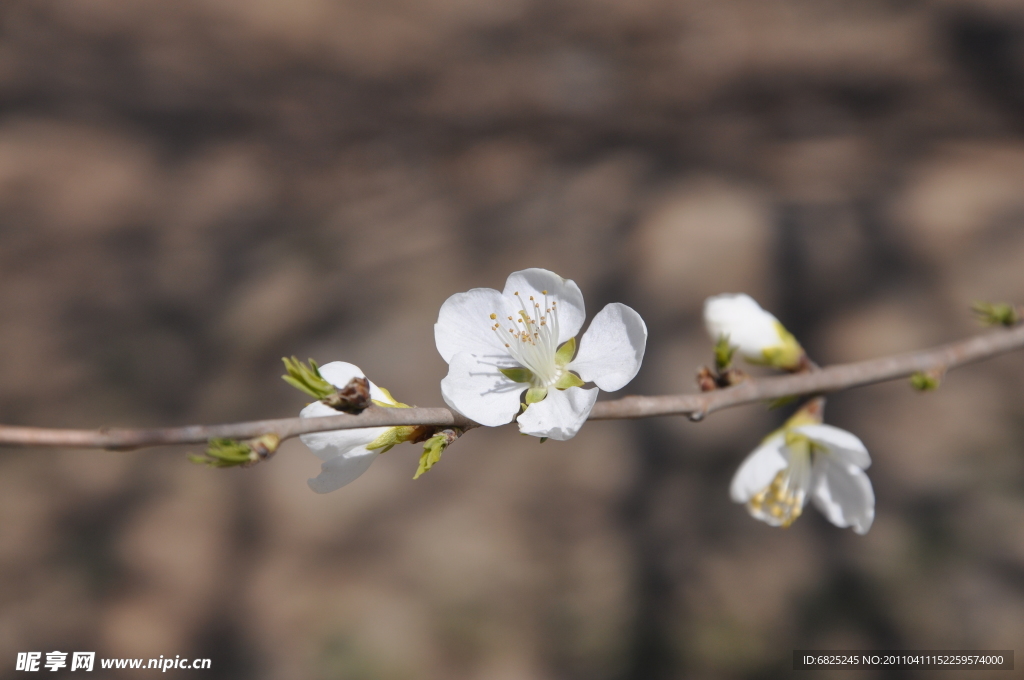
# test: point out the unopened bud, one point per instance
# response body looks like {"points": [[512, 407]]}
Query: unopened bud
{"points": [[264, 447], [706, 380], [352, 398]]}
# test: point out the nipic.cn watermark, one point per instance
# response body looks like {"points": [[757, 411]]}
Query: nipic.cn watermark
{"points": [[86, 661]]}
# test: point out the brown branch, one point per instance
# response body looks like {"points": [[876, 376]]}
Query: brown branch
{"points": [[830, 379], [696, 406]]}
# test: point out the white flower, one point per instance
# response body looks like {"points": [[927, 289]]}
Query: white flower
{"points": [[499, 345], [756, 333], [346, 453], [812, 460]]}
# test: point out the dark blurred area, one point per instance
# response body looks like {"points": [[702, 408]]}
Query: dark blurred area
{"points": [[192, 189]]}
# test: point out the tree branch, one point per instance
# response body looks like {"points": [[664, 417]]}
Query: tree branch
{"points": [[696, 406]]}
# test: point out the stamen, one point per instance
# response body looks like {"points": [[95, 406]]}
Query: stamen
{"points": [[534, 335], [778, 500]]}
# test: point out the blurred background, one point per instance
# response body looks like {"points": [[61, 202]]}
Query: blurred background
{"points": [[192, 189]]}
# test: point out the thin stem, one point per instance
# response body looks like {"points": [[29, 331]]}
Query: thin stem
{"points": [[696, 406]]}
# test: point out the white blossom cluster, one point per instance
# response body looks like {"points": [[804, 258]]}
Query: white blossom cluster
{"points": [[513, 355], [804, 459]]}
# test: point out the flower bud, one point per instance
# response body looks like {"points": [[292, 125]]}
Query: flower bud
{"points": [[754, 332]]}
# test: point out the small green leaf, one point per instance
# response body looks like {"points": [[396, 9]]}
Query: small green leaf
{"points": [[543, 439], [306, 378], [568, 380], [996, 313], [565, 353], [723, 353], [519, 375], [431, 455], [392, 437], [434, 447], [924, 381], [536, 394], [221, 453]]}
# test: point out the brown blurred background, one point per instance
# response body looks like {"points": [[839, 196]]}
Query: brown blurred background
{"points": [[191, 189]]}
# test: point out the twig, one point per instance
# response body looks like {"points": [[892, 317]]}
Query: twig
{"points": [[829, 379], [696, 406]]}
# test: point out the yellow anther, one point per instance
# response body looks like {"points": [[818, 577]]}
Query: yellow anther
{"points": [[493, 315], [778, 501]]}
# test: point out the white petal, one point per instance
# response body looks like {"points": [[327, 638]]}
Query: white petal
{"points": [[738, 316], [464, 323], [475, 388], [328, 445], [340, 373], [839, 442], [759, 469], [565, 292], [337, 472], [560, 415], [843, 494], [344, 452], [612, 348]]}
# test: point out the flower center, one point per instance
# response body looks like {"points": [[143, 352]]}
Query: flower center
{"points": [[782, 501], [531, 338]]}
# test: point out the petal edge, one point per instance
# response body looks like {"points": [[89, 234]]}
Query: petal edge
{"points": [[560, 416], [612, 349]]}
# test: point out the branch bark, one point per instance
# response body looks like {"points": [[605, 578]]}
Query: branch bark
{"points": [[695, 406]]}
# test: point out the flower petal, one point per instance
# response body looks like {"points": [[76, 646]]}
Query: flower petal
{"points": [[478, 390], [464, 323], [339, 373], [344, 452], [841, 443], [328, 445], [560, 416], [337, 472], [612, 348], [565, 292], [738, 317], [759, 469], [843, 493]]}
